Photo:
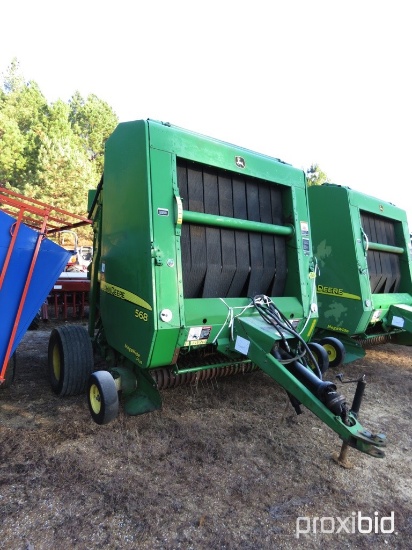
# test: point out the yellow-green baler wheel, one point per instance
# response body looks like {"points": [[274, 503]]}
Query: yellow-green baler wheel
{"points": [[95, 399], [102, 397]]}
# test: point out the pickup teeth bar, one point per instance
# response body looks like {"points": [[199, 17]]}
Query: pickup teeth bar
{"points": [[166, 378], [374, 340]]}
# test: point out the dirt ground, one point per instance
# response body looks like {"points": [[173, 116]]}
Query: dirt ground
{"points": [[224, 465]]}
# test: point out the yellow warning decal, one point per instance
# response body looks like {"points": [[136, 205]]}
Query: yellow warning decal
{"points": [[312, 327], [195, 343], [123, 294], [179, 211], [332, 291]]}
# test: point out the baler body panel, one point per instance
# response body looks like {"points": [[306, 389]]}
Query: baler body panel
{"points": [[362, 248], [166, 283], [126, 264]]}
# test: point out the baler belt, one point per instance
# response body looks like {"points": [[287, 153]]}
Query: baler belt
{"points": [[193, 238], [386, 234], [241, 238], [230, 263], [376, 279], [225, 262], [255, 242], [383, 267], [268, 245], [212, 283], [278, 286]]}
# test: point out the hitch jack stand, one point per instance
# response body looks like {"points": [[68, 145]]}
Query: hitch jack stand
{"points": [[342, 458]]}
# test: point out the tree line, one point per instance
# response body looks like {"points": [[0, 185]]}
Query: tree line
{"points": [[55, 152], [51, 152]]}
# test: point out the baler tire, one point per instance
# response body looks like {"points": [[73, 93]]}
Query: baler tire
{"points": [[335, 350], [321, 356], [102, 397], [70, 360], [10, 372]]}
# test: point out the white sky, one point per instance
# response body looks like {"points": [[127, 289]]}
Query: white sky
{"points": [[322, 81]]}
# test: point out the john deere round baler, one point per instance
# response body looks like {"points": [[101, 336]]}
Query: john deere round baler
{"points": [[364, 283], [202, 267]]}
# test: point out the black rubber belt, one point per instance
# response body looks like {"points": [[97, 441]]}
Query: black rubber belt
{"points": [[227, 236], [211, 287], [220, 262], [384, 267], [279, 281], [241, 239]]}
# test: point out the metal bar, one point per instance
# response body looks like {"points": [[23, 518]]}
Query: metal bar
{"points": [[65, 306], [56, 306], [386, 248], [11, 247], [82, 306], [234, 223], [68, 226], [59, 216], [177, 371]]}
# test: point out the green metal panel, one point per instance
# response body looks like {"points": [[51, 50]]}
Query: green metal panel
{"points": [[354, 250], [145, 315], [167, 279], [127, 296], [213, 152], [342, 283]]}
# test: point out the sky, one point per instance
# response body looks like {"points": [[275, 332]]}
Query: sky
{"points": [[322, 81]]}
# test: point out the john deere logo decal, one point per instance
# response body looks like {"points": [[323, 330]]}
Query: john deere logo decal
{"points": [[240, 162]]}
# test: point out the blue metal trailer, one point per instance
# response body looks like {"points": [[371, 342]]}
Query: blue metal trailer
{"points": [[30, 263]]}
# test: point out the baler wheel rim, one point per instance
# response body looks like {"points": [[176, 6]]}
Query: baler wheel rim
{"points": [[95, 399], [335, 350]]}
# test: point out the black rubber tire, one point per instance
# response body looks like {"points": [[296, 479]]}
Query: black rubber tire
{"points": [[102, 397], [335, 350], [70, 359], [10, 372], [321, 356]]}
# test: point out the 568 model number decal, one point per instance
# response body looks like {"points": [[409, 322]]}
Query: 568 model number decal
{"points": [[142, 315]]}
